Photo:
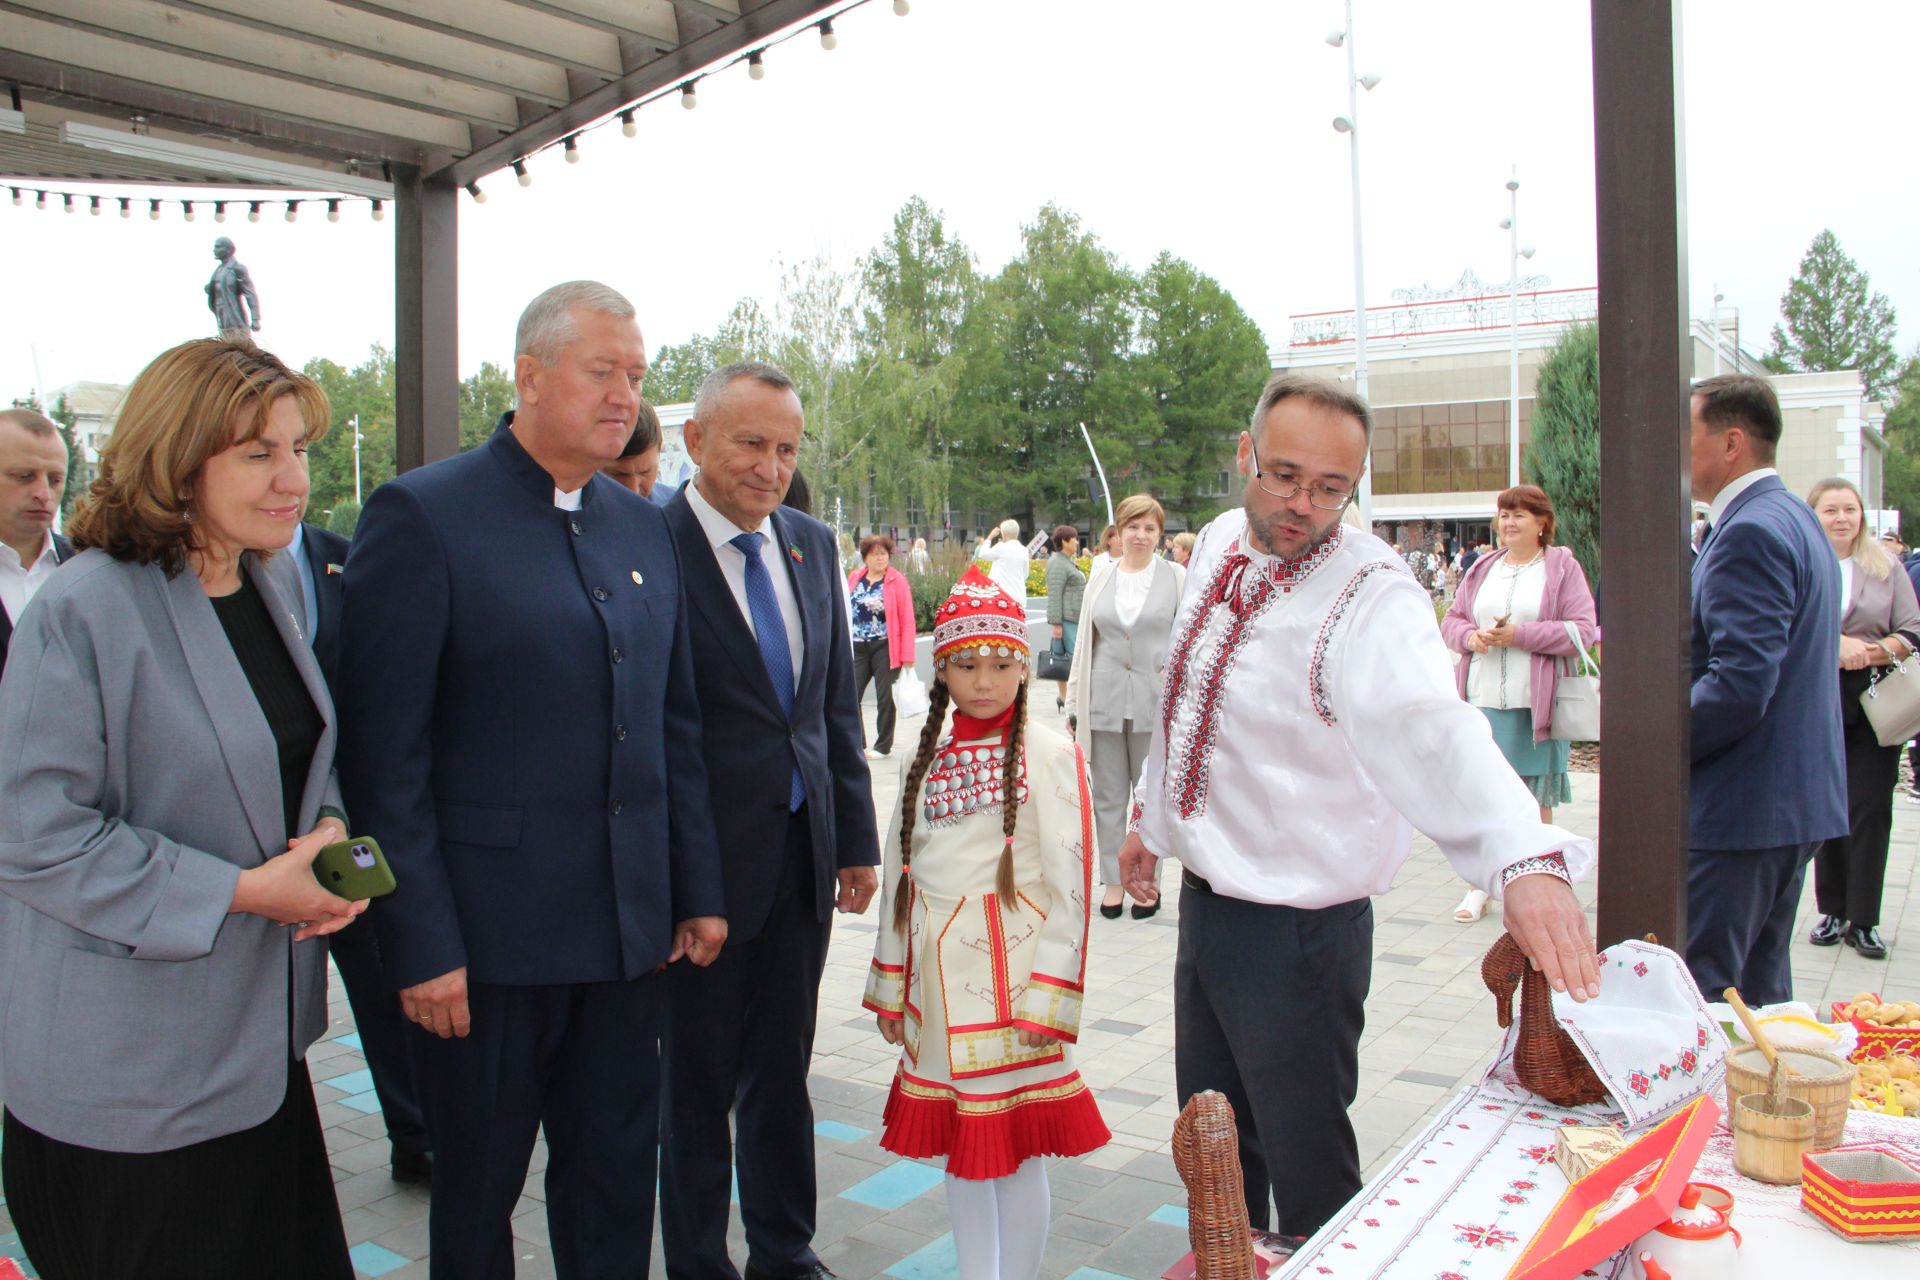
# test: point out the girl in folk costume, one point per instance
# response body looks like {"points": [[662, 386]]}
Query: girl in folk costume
{"points": [[981, 959]]}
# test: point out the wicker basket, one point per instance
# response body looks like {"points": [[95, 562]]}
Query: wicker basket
{"points": [[1877, 1041], [1545, 1058], [1822, 1080], [1206, 1151]]}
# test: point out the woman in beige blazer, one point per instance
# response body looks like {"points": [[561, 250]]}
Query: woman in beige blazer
{"points": [[166, 779], [1880, 625], [1113, 692]]}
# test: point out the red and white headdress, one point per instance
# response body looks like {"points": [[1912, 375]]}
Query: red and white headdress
{"points": [[979, 615]]}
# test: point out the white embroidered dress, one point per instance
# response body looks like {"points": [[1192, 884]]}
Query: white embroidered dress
{"points": [[1311, 721], [970, 973]]}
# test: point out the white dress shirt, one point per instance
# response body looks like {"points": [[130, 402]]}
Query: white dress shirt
{"points": [[18, 585], [1734, 489], [1299, 745], [720, 533]]}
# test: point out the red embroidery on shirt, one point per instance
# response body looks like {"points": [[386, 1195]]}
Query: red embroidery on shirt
{"points": [[1317, 665]]}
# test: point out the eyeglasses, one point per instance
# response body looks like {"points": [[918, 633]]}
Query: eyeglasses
{"points": [[1326, 497]]}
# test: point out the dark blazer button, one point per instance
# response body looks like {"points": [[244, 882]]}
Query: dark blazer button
{"points": [[574, 525], [616, 808], [619, 733], [599, 593], [617, 655]]}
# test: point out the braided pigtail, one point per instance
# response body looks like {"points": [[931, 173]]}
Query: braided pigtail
{"points": [[937, 698], [1010, 800]]}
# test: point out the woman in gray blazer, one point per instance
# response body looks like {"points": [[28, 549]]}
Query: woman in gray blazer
{"points": [[1879, 625], [1113, 693], [166, 748], [1066, 587]]}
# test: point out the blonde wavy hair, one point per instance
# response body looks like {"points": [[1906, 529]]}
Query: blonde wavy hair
{"points": [[1873, 559], [181, 410]]}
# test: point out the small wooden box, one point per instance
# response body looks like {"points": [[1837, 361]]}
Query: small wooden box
{"points": [[1578, 1149], [1863, 1193]]}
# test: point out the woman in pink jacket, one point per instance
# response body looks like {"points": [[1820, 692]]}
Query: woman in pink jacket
{"points": [[1509, 624], [882, 612]]}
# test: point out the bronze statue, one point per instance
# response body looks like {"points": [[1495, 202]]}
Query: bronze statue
{"points": [[231, 297]]}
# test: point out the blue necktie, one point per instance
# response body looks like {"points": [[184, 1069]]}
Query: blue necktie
{"points": [[770, 631]]}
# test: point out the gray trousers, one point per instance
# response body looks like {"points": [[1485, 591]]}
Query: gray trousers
{"points": [[1268, 1006], [1113, 766]]}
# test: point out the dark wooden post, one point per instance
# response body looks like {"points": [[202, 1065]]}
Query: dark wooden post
{"points": [[1645, 364], [426, 319]]}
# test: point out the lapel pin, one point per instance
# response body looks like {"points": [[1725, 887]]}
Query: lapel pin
{"points": [[795, 553], [334, 568], [637, 579]]}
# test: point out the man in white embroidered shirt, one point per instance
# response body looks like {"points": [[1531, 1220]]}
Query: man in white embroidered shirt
{"points": [[1309, 722]]}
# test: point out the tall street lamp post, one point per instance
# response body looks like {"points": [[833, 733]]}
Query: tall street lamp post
{"points": [[1511, 224], [1349, 124]]}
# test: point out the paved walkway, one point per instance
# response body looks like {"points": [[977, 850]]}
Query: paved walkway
{"points": [[1120, 1211]]}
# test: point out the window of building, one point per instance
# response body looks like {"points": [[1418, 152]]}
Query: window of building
{"points": [[1443, 448]]}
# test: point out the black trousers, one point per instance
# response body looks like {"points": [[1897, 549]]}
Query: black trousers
{"points": [[1849, 872], [739, 1038], [872, 663], [582, 1062], [1268, 1006], [386, 1041], [250, 1204], [1740, 908]]}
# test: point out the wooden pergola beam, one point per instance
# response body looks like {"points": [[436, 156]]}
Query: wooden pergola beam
{"points": [[1645, 365]]}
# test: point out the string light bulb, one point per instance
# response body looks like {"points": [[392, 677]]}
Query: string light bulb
{"points": [[379, 210], [687, 98], [333, 211], [479, 196], [153, 211], [627, 127], [66, 201], [520, 173], [757, 65], [901, 8], [571, 147], [293, 210], [17, 197], [219, 210], [828, 40], [187, 205], [95, 205], [126, 207], [39, 199], [253, 211]]}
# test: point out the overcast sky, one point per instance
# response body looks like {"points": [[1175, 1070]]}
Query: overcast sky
{"points": [[1204, 129]]}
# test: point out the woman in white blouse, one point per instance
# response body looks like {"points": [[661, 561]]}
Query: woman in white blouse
{"points": [[1113, 693], [1509, 623], [1006, 559]]}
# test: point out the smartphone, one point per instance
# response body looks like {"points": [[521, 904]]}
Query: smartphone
{"points": [[354, 869]]}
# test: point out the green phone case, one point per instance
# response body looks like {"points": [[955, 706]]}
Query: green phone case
{"points": [[354, 869]]}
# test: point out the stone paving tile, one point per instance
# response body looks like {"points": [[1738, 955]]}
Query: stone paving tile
{"points": [[1429, 1032]]}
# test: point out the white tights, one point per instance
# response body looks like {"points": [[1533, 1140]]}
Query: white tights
{"points": [[1000, 1224]]}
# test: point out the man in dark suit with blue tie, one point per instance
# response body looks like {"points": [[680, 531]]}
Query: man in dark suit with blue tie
{"points": [[793, 807], [312, 570], [520, 731], [1768, 779]]}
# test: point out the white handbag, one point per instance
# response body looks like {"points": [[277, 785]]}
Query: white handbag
{"points": [[1892, 703], [910, 695], [1576, 696]]}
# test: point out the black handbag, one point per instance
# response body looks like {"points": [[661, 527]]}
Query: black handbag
{"points": [[1054, 662]]}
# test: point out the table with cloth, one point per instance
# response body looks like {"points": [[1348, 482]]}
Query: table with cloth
{"points": [[1464, 1198]]}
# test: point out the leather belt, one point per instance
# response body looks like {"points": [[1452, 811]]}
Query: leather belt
{"points": [[1194, 882]]}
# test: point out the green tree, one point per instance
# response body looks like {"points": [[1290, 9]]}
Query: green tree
{"points": [[814, 323], [1833, 320], [484, 396], [677, 369], [1900, 480], [1047, 348], [1563, 456], [1203, 362], [365, 392], [344, 518], [916, 288]]}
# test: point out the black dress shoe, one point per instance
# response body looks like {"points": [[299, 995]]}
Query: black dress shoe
{"points": [[1112, 912], [1145, 913], [1867, 942], [818, 1271], [413, 1165], [1828, 932]]}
